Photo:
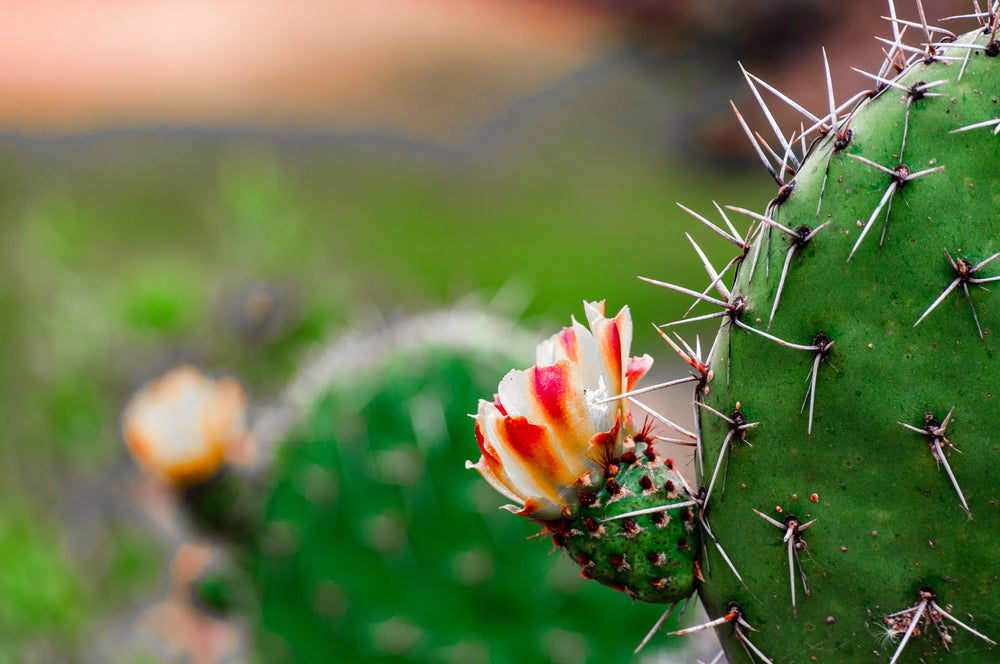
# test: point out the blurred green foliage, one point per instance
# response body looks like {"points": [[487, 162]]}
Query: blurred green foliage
{"points": [[40, 594], [120, 253]]}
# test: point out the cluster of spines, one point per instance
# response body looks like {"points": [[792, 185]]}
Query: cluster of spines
{"points": [[783, 164]]}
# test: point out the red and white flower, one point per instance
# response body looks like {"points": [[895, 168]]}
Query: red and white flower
{"points": [[546, 433], [184, 426]]}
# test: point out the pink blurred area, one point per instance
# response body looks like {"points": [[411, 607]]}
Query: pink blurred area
{"points": [[427, 68]]}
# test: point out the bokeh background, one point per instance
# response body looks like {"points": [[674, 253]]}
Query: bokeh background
{"points": [[235, 183]]}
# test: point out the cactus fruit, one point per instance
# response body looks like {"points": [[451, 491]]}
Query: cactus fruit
{"points": [[648, 555], [854, 360], [557, 439]]}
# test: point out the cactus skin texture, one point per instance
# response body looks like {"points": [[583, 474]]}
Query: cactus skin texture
{"points": [[889, 530]]}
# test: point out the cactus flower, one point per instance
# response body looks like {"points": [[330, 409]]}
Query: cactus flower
{"points": [[551, 429], [182, 426]]}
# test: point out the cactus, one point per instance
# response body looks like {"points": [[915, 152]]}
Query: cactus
{"points": [[866, 378], [836, 520], [830, 517], [869, 374]]}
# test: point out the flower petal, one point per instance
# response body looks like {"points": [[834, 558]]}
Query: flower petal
{"points": [[553, 396], [614, 340], [604, 444], [527, 467], [492, 469], [637, 368], [563, 345], [546, 431]]}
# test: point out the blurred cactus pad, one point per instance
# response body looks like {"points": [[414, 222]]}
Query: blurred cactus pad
{"points": [[368, 539]]}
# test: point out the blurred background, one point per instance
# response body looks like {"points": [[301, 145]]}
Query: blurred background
{"points": [[235, 183]]}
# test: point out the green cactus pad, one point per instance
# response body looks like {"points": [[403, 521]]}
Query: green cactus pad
{"points": [[891, 524]]}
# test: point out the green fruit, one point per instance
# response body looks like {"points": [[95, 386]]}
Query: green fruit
{"points": [[648, 556]]}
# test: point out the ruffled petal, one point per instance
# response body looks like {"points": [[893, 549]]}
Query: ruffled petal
{"points": [[499, 406], [492, 469], [637, 368], [594, 309], [592, 373], [529, 453], [528, 468]]}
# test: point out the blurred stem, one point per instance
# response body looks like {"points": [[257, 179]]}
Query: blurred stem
{"points": [[227, 506]]}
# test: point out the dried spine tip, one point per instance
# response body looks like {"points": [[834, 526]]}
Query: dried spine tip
{"points": [[734, 616]]}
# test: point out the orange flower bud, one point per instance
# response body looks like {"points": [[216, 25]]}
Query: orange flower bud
{"points": [[182, 426]]}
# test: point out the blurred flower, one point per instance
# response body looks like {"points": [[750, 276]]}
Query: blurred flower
{"points": [[184, 425], [546, 433]]}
